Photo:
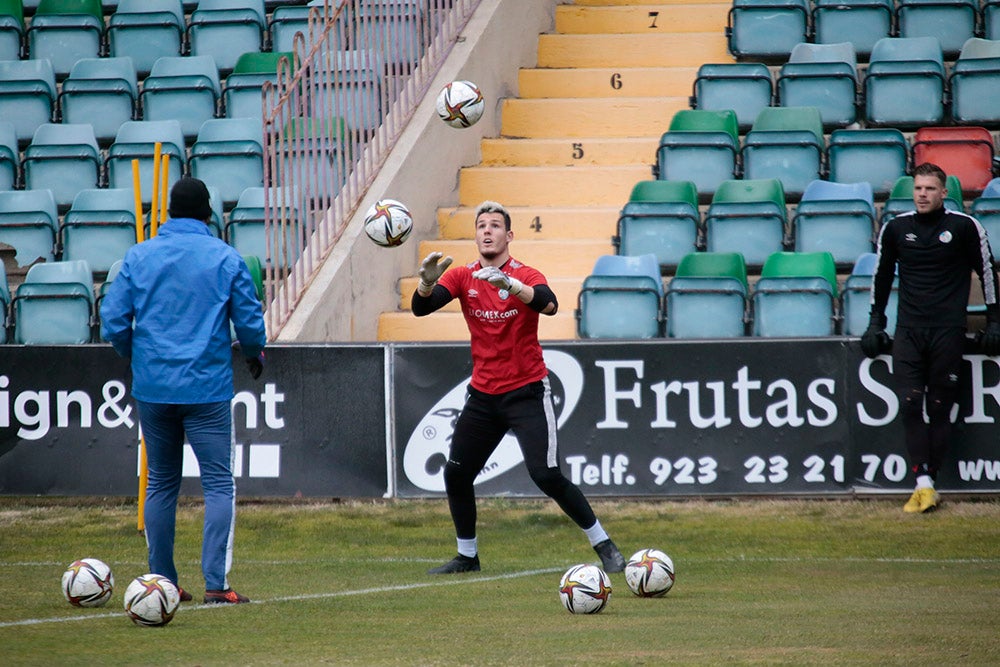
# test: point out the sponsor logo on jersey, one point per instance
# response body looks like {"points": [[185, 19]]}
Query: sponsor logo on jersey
{"points": [[911, 237]]}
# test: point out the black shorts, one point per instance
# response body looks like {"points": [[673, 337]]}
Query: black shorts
{"points": [[927, 357]]}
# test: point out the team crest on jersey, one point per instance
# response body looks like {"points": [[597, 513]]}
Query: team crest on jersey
{"points": [[945, 237], [503, 294]]}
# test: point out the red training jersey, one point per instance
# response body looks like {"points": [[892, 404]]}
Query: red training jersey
{"points": [[506, 353]]}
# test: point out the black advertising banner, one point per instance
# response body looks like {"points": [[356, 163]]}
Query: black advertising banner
{"points": [[685, 418], [312, 425]]}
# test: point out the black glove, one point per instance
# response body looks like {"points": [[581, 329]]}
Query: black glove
{"points": [[256, 366], [989, 342], [875, 341]]}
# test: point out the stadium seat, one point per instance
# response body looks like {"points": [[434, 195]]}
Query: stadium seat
{"points": [[55, 305], [225, 29], [102, 92], [65, 158], [10, 158], [905, 82], [319, 151], [392, 28], [29, 222], [99, 227], [707, 297], [287, 19], [796, 296], [242, 94], [991, 19], [256, 274], [136, 139], [622, 298], [748, 217], [4, 307], [855, 298], [823, 76], [665, 223], [63, 31], [146, 30], [743, 87], [786, 143], [355, 91], [877, 156], [11, 29], [766, 29], [182, 88], [975, 83], [963, 152], [699, 146], [901, 198], [860, 22], [245, 228], [836, 217], [952, 22], [986, 209], [27, 95], [228, 153]]}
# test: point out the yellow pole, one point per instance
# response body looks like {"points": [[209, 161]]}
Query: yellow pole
{"points": [[143, 469], [154, 209], [164, 180]]}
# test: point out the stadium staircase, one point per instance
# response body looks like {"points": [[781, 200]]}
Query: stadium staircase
{"points": [[584, 130]]}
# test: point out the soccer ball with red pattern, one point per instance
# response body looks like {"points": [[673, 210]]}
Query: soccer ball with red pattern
{"points": [[152, 600], [649, 573], [585, 589], [88, 582], [460, 104], [388, 223]]}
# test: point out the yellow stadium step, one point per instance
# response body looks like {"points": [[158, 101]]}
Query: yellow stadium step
{"points": [[555, 259], [673, 18], [568, 152], [450, 326], [537, 222], [657, 50], [589, 117], [565, 289], [549, 186], [607, 82]]}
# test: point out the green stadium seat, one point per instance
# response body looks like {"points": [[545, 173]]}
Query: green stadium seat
{"points": [[699, 146], [707, 297], [796, 296], [242, 93], [748, 217], [665, 222], [786, 143]]}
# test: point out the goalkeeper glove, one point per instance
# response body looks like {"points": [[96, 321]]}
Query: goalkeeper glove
{"points": [[989, 343], [431, 271], [256, 365], [875, 341], [499, 279]]}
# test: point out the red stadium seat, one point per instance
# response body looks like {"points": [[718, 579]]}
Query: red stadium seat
{"points": [[965, 152]]}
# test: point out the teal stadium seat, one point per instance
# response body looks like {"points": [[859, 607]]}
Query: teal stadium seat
{"points": [[855, 298], [64, 158], [701, 147], [355, 92], [225, 29], [63, 31], [102, 92], [320, 151], [975, 83], [242, 94], [748, 217], [146, 30], [136, 139], [10, 157], [860, 22], [622, 298], [836, 217], [4, 307], [182, 88], [746, 88], [991, 19], [952, 22], [823, 76], [228, 153], [796, 296], [766, 29], [286, 20], [102, 291], [245, 229], [29, 222], [707, 297], [904, 85], [786, 143], [27, 95], [393, 28], [99, 227], [986, 209], [963, 152], [878, 156], [11, 29], [662, 218], [55, 305]]}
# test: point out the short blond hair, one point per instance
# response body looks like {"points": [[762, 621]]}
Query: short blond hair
{"points": [[493, 207]]}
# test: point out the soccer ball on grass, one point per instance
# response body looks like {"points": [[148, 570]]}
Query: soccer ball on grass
{"points": [[585, 589], [88, 582], [151, 600], [649, 573]]}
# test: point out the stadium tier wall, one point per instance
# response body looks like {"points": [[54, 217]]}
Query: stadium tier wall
{"points": [[802, 417]]}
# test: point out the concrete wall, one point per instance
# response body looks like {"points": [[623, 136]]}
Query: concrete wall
{"points": [[359, 280]]}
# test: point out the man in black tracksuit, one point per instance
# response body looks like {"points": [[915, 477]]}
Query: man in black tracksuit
{"points": [[936, 251]]}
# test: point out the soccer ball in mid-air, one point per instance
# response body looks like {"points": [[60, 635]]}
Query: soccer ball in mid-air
{"points": [[585, 589], [151, 599], [460, 104], [88, 582], [388, 223], [649, 573]]}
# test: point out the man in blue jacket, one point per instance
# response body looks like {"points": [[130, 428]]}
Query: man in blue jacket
{"points": [[169, 312]]}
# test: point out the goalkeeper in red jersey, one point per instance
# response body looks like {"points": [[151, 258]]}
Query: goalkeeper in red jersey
{"points": [[501, 300]]}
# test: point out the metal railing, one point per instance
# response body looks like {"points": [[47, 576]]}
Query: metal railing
{"points": [[358, 71]]}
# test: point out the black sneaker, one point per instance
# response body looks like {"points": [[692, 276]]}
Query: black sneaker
{"points": [[611, 558], [459, 563], [228, 596]]}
